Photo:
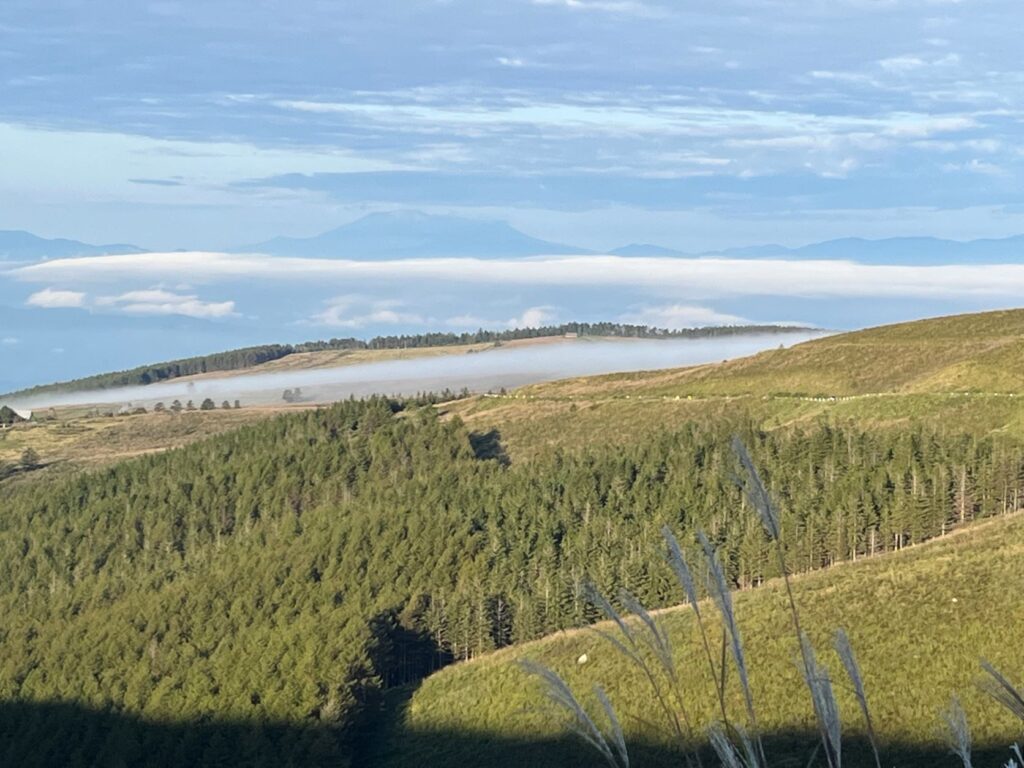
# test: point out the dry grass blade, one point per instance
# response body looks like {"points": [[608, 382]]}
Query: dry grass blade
{"points": [[723, 600], [724, 748], [616, 727], [658, 643], [681, 569], [825, 709], [657, 638], [685, 576], [1002, 690], [581, 723], [845, 651], [958, 732], [756, 491]]}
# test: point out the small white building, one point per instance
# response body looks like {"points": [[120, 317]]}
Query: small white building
{"points": [[11, 415]]}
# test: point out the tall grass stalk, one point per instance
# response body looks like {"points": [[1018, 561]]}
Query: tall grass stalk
{"points": [[824, 701], [656, 641], [757, 494], [581, 723], [722, 598], [1002, 690], [958, 732], [684, 575], [845, 651]]}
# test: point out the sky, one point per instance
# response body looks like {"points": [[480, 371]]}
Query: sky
{"points": [[177, 124], [194, 128]]}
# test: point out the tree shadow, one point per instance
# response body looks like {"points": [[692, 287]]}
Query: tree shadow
{"points": [[487, 447], [44, 734]]}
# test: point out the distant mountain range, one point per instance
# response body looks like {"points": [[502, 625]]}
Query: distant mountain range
{"points": [[646, 249], [411, 234], [16, 245]]}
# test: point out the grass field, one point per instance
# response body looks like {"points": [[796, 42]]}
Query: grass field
{"points": [[73, 441], [336, 358], [919, 621], [964, 373]]}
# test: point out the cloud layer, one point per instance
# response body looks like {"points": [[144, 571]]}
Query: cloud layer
{"points": [[682, 278]]}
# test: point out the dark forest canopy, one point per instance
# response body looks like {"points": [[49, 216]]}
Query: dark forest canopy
{"points": [[292, 571], [248, 357]]}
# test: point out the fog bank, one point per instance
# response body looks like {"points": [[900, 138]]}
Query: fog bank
{"points": [[491, 369]]}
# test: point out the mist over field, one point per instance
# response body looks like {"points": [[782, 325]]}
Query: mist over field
{"points": [[491, 369]]}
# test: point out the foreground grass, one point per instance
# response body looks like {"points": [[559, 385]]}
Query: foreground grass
{"points": [[918, 619]]}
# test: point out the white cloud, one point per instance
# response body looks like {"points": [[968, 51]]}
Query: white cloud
{"points": [[160, 302], [10, 341], [50, 298], [976, 166], [357, 312], [534, 317], [608, 6], [680, 316], [686, 278], [510, 61], [902, 64]]}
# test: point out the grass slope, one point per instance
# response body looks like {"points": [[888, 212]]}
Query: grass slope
{"points": [[981, 352], [964, 372], [919, 620], [73, 441]]}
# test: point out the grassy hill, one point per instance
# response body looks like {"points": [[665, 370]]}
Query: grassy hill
{"points": [[981, 352], [919, 621], [963, 372]]}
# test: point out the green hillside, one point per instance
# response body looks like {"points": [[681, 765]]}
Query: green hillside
{"points": [[266, 596], [964, 372], [964, 353], [919, 621]]}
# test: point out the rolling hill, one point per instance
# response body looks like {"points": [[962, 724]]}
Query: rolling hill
{"points": [[981, 352], [16, 245], [962, 371]]}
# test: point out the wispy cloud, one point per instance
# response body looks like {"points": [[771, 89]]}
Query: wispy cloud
{"points": [[160, 302], [533, 317], [50, 298], [352, 311], [633, 7], [680, 316]]}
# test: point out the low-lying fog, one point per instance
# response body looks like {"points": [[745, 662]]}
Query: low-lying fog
{"points": [[492, 369]]}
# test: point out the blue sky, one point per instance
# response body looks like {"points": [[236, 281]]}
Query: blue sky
{"points": [[597, 122], [204, 126]]}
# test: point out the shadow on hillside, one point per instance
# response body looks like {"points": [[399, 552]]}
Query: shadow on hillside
{"points": [[487, 446], [64, 734], [785, 750]]}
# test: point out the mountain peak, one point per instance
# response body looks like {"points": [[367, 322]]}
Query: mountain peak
{"points": [[414, 234]]}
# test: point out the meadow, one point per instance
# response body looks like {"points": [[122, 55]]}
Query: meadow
{"points": [[920, 621]]}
